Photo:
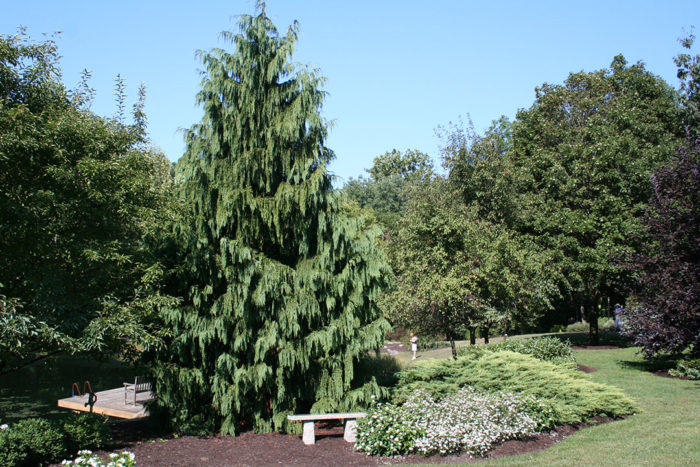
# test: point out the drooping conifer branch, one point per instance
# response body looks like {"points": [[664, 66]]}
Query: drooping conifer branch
{"points": [[281, 298]]}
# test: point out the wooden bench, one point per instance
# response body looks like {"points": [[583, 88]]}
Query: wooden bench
{"points": [[309, 437], [140, 384]]}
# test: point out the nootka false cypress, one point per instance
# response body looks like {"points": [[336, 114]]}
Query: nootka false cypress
{"points": [[279, 303]]}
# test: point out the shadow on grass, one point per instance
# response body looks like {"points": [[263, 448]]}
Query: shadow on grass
{"points": [[382, 367], [583, 339]]}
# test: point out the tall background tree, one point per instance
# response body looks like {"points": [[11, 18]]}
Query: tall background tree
{"points": [[279, 284], [666, 316], [387, 188], [574, 176], [82, 202]]}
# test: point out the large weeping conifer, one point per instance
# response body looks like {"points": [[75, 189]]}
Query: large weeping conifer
{"points": [[281, 285]]}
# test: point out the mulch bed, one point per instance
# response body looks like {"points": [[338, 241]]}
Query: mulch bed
{"points": [[251, 449], [586, 369], [666, 374], [288, 450]]}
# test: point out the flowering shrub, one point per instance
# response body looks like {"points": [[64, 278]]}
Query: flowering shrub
{"points": [[388, 430], [572, 395], [89, 459], [469, 421]]}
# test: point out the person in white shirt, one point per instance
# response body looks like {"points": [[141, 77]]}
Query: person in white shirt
{"points": [[414, 345]]}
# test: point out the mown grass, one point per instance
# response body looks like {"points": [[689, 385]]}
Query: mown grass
{"points": [[665, 431]]}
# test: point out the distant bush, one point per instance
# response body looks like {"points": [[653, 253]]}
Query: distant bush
{"points": [[578, 327], [425, 342], [549, 349], [468, 420], [86, 431], [606, 324], [688, 368], [573, 397]]}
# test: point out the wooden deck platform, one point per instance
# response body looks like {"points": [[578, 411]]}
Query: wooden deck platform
{"points": [[110, 403]]}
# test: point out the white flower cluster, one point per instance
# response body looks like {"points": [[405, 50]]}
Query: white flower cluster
{"points": [[87, 458], [467, 421], [4, 426]]}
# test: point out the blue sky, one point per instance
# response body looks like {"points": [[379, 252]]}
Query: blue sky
{"points": [[395, 69]]}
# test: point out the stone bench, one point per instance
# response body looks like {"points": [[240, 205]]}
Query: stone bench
{"points": [[309, 436]]}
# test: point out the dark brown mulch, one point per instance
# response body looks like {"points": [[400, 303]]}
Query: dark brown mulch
{"points": [[666, 374], [586, 369], [288, 450], [594, 347]]}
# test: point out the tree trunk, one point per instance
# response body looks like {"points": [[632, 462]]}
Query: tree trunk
{"points": [[486, 335], [593, 321], [472, 336], [454, 346]]}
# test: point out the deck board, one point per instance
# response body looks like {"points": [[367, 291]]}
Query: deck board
{"points": [[110, 403]]}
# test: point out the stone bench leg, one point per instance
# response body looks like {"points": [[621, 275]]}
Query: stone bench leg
{"points": [[309, 437], [350, 434]]}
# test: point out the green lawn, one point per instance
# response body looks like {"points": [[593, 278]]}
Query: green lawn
{"points": [[665, 431]]}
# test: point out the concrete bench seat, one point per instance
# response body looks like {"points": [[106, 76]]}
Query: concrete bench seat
{"points": [[309, 437]]}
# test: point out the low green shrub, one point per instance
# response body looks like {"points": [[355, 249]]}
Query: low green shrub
{"points": [[573, 396], [468, 420], [688, 368], [549, 349], [86, 431], [39, 440], [606, 324], [578, 326], [12, 449]]}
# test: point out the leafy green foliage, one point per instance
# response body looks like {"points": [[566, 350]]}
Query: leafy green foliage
{"points": [[689, 76], [12, 448], [689, 368], [549, 349], [388, 187], [30, 442], [83, 202], [279, 283], [456, 271], [573, 396], [86, 431], [571, 175]]}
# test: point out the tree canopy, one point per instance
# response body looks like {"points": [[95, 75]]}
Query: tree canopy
{"points": [[82, 200], [388, 186], [574, 175], [666, 316]]}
